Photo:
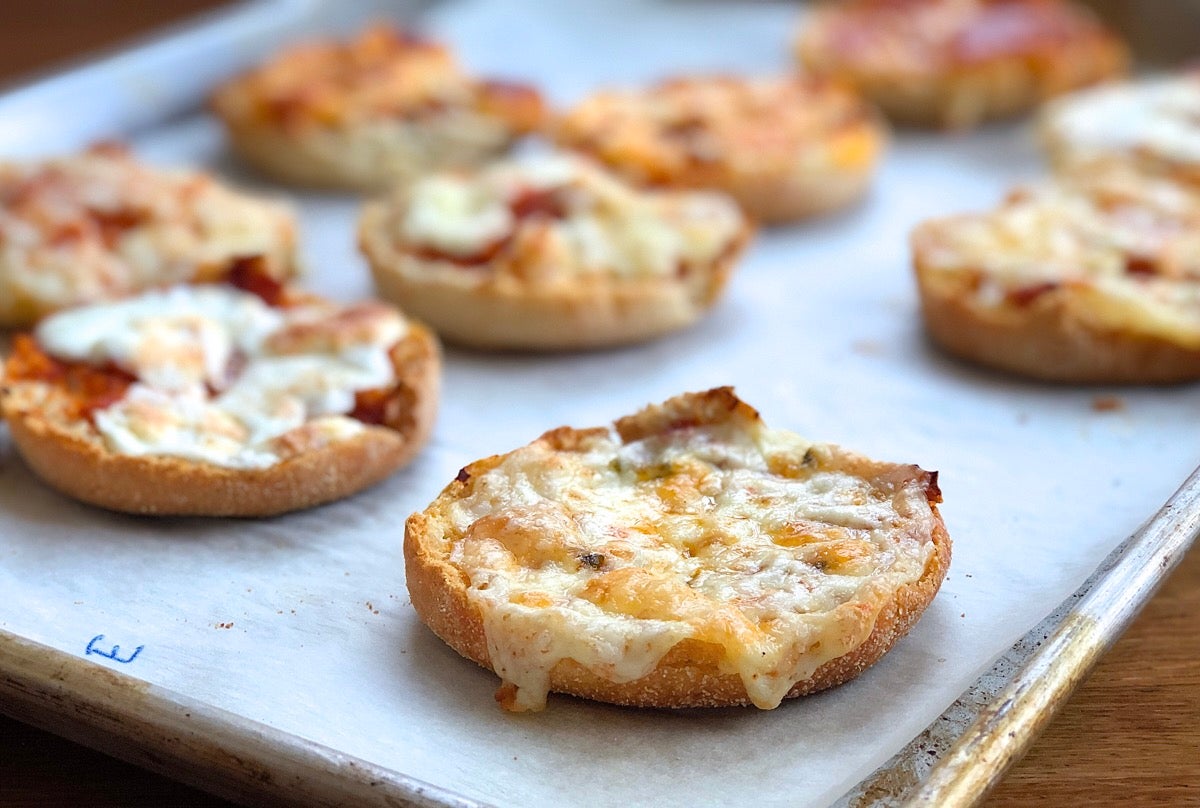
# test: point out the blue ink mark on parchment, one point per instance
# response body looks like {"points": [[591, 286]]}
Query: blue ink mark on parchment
{"points": [[113, 654]]}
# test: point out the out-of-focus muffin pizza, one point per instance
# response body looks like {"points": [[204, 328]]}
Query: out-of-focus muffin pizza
{"points": [[237, 398], [1152, 125], [686, 556], [957, 63], [1091, 278], [364, 114], [100, 225], [550, 252], [784, 148]]}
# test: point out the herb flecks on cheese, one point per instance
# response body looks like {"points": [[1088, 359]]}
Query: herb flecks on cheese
{"points": [[224, 378], [613, 550]]}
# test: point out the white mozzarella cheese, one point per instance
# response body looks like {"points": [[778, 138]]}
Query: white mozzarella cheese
{"points": [[211, 385]]}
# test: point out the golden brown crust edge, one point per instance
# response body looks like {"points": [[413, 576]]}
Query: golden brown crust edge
{"points": [[506, 314], [1045, 339], [784, 198], [688, 675], [84, 469], [292, 161]]}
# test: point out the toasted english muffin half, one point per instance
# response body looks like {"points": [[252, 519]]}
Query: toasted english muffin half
{"points": [[99, 225], [550, 252], [1152, 125], [687, 556], [785, 148], [227, 399], [957, 63], [370, 112], [1087, 279]]}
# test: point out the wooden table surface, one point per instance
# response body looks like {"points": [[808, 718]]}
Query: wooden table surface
{"points": [[1130, 736]]}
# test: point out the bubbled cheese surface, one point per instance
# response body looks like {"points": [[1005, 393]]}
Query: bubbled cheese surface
{"points": [[730, 535]]}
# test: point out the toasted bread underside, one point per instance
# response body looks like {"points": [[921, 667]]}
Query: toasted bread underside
{"points": [[373, 158], [1046, 339]]}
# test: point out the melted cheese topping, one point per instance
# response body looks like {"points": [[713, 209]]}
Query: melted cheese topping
{"points": [[922, 36], [98, 226], [726, 123], [735, 535], [565, 216], [1157, 118], [222, 377], [1128, 246]]}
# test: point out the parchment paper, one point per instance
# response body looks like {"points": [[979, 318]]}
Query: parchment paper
{"points": [[303, 622]]}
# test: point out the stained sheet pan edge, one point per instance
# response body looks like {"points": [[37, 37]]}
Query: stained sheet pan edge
{"points": [[966, 751]]}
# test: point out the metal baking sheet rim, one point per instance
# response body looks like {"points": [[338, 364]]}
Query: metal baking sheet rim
{"points": [[955, 761], [213, 749]]}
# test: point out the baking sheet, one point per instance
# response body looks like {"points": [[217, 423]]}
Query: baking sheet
{"points": [[302, 622]]}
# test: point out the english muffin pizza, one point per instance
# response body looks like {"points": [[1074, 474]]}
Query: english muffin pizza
{"points": [[957, 63], [368, 113], [550, 252], [784, 148], [686, 556], [1152, 124], [239, 398], [99, 225], [1086, 279]]}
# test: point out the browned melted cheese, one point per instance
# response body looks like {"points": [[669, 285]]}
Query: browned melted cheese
{"points": [[610, 547]]}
